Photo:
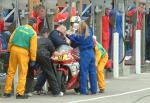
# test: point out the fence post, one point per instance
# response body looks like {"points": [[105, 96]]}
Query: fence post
{"points": [[116, 55], [138, 51]]}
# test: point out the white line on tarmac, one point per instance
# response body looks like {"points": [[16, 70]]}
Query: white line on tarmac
{"points": [[109, 96]]}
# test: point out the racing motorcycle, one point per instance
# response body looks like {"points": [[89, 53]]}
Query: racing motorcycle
{"points": [[67, 66]]}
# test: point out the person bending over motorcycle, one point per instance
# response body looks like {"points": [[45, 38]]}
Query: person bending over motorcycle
{"points": [[101, 58], [45, 50], [59, 41]]}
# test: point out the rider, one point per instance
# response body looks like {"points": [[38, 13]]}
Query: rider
{"points": [[59, 39]]}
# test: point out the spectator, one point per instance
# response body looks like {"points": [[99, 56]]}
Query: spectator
{"points": [[2, 25], [39, 14], [106, 35]]}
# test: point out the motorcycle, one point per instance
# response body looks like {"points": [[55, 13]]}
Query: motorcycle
{"points": [[67, 66]]}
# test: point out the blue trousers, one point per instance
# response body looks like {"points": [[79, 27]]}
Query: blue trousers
{"points": [[87, 67]]}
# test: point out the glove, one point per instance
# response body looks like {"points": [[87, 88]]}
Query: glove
{"points": [[32, 64]]}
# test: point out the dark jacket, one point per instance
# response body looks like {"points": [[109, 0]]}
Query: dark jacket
{"points": [[45, 51], [45, 46], [57, 38]]}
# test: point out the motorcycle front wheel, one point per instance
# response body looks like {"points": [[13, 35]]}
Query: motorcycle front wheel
{"points": [[61, 81]]}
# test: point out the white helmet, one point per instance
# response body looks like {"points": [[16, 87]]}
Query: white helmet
{"points": [[75, 19]]}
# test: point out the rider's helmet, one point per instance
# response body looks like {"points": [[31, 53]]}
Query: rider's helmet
{"points": [[75, 19]]}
